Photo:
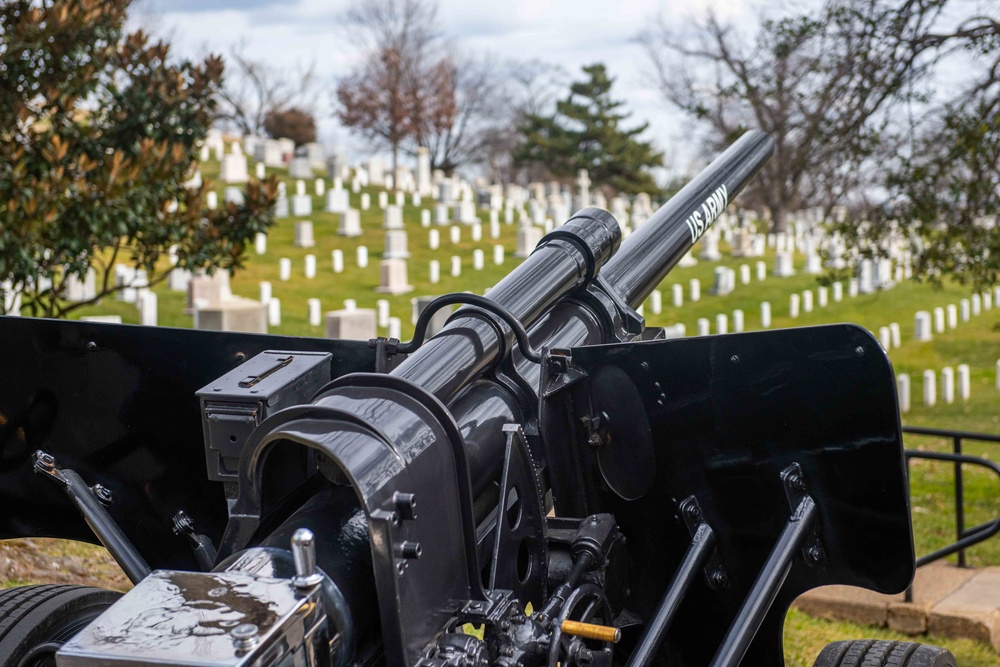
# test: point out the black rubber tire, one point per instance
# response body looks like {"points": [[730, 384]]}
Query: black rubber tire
{"points": [[883, 653], [34, 615]]}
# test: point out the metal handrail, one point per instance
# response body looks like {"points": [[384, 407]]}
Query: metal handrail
{"points": [[964, 538]]}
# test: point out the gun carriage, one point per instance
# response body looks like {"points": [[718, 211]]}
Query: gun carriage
{"points": [[546, 481]]}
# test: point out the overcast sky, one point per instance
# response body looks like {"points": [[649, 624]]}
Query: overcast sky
{"points": [[571, 33]]}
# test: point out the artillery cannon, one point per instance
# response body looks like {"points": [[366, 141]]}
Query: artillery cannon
{"points": [[545, 481]]}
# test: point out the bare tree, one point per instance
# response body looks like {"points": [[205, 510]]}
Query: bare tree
{"points": [[252, 89], [820, 84], [404, 83]]}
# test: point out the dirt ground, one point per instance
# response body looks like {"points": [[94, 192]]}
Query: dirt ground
{"points": [[49, 561]]}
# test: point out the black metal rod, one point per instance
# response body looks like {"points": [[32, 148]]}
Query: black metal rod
{"points": [[959, 499], [659, 244], [948, 433], [973, 537], [766, 588], [104, 527], [694, 558]]}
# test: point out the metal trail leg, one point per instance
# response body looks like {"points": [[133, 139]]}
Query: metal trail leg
{"points": [[773, 574], [702, 543], [93, 512]]}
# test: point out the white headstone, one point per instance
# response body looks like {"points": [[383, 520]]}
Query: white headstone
{"points": [[951, 315], [337, 260], [393, 217], [903, 391], [366, 201], [304, 234], [656, 302], [425, 217], [320, 187], [259, 171], [722, 285], [765, 315], [310, 266], [394, 278], [478, 259], [396, 245], [350, 304], [703, 326], [894, 334], [337, 201], [498, 255], [745, 274], [315, 317], [977, 304], [274, 313], [939, 320], [455, 234], [260, 243], [737, 321], [838, 292], [721, 324], [807, 301], [355, 324], [527, 239], [350, 223], [783, 265], [821, 297], [930, 389], [265, 291], [456, 266], [793, 305], [695, 285], [476, 231], [362, 253], [383, 199], [884, 338], [395, 328], [147, 308], [435, 271], [852, 288], [948, 384], [677, 293], [966, 309], [922, 326], [433, 239], [866, 278], [964, 383], [284, 269], [761, 270], [211, 200], [382, 310], [234, 168]]}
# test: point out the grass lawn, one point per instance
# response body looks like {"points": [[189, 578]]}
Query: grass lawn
{"points": [[976, 343]]}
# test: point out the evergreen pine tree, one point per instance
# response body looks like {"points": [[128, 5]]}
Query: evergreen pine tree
{"points": [[585, 132]]}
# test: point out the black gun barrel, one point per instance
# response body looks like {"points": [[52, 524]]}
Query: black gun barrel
{"points": [[648, 255]]}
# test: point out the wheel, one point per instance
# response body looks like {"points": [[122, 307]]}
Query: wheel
{"points": [[876, 653], [36, 620]]}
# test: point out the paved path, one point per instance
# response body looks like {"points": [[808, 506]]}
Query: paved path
{"points": [[947, 601]]}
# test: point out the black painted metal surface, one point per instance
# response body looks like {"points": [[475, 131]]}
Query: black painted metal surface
{"points": [[117, 404], [727, 414]]}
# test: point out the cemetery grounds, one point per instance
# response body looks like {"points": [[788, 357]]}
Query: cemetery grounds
{"points": [[976, 343]]}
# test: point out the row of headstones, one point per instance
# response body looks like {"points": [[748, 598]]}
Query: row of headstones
{"points": [[353, 323], [948, 317], [930, 386], [393, 269], [395, 236]]}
